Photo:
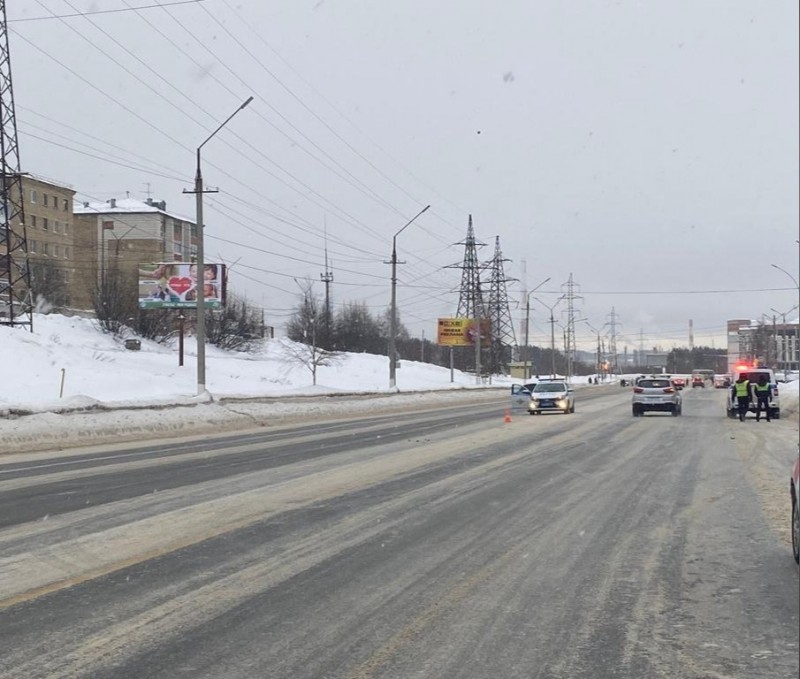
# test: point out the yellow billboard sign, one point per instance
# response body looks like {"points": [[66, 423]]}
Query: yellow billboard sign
{"points": [[460, 332]]}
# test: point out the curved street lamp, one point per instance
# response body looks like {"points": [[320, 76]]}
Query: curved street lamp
{"points": [[199, 260], [794, 280], [393, 309], [527, 324], [552, 332]]}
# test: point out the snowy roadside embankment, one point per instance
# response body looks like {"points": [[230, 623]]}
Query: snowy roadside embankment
{"points": [[68, 384]]}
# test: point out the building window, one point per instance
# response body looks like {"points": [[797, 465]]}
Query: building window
{"points": [[45, 224], [33, 221], [56, 226], [33, 195], [44, 199], [66, 205], [45, 248], [67, 252], [31, 246], [56, 250], [66, 228]]}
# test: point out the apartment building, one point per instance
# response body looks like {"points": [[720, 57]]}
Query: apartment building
{"points": [[49, 228], [120, 234], [767, 341]]}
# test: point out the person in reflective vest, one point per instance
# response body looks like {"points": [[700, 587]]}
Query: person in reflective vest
{"points": [[763, 390], [741, 389]]}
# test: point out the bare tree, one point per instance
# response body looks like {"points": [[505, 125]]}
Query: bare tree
{"points": [[48, 284], [115, 301], [302, 329], [235, 326]]}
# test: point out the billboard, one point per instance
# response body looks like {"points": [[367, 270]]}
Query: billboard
{"points": [[460, 332], [173, 285]]}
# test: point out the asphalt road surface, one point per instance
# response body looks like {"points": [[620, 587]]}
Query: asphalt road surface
{"points": [[443, 544]]}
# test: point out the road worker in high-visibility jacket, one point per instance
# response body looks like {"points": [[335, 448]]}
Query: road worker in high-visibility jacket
{"points": [[741, 390], [763, 392]]}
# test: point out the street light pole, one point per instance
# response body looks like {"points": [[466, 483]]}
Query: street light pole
{"points": [[784, 354], [596, 332], [393, 309], [552, 333], [200, 260], [527, 323], [794, 280]]}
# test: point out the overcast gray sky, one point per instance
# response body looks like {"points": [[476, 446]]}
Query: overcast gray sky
{"points": [[648, 148]]}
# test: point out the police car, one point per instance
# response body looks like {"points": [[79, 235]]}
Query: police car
{"points": [[552, 395]]}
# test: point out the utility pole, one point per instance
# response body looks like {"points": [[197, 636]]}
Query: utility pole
{"points": [[16, 295], [393, 310], [327, 278], [525, 370], [200, 330]]}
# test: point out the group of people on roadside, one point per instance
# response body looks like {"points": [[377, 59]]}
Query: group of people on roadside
{"points": [[744, 391]]}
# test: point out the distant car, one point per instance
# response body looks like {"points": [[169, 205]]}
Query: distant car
{"points": [[679, 382], [553, 396], [722, 381], [655, 394], [752, 374], [698, 381], [794, 490]]}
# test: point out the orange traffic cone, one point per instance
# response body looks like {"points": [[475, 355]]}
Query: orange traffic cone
{"points": [[507, 418]]}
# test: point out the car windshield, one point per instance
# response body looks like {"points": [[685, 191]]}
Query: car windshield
{"points": [[549, 388], [653, 384]]}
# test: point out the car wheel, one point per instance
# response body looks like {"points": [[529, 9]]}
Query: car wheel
{"points": [[635, 411], [776, 414], [796, 530], [675, 411], [572, 410]]}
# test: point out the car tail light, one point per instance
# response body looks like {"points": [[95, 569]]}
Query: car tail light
{"points": [[638, 390], [669, 390]]}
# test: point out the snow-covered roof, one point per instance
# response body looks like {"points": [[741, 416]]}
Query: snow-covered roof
{"points": [[125, 206]]}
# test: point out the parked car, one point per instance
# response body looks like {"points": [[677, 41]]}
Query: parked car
{"points": [[752, 374], [655, 394], [553, 396], [679, 382], [794, 491]]}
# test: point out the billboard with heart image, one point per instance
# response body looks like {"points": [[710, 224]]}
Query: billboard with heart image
{"points": [[173, 285]]}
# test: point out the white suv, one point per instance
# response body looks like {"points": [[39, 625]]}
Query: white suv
{"points": [[655, 393], [752, 374]]}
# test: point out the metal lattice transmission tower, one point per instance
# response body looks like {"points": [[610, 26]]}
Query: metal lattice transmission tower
{"points": [[470, 298], [16, 308], [497, 306], [612, 340], [500, 323], [570, 344]]}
